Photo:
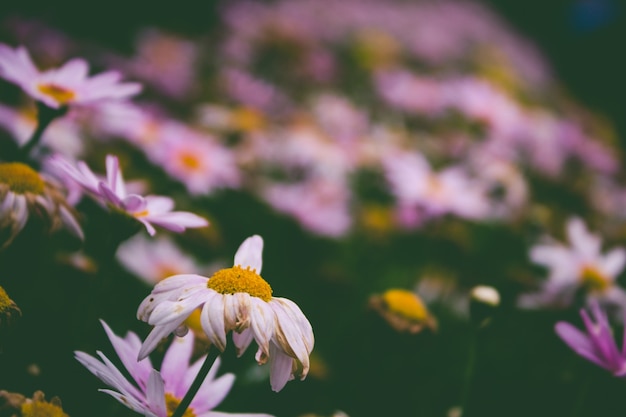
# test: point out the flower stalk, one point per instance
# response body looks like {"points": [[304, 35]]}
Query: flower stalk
{"points": [[197, 382], [45, 116]]}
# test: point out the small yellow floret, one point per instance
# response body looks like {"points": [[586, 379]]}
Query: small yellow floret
{"points": [[60, 94], [236, 279], [42, 409], [21, 178], [406, 304], [5, 302], [593, 279], [171, 403]]}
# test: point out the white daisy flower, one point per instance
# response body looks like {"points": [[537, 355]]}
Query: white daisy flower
{"points": [[235, 299]]}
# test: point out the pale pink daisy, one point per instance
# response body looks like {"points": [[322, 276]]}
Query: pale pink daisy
{"points": [[152, 260], [197, 160], [158, 394], [236, 299], [320, 205], [63, 136], [579, 265], [59, 87], [449, 191], [111, 192]]}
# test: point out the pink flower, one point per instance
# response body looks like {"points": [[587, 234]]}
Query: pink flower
{"points": [[67, 85], [597, 343], [578, 265], [154, 393], [111, 192]]}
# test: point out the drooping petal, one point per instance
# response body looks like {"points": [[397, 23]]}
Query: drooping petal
{"points": [[280, 368], [212, 320]]}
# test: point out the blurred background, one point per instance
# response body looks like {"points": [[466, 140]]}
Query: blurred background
{"points": [[362, 365]]}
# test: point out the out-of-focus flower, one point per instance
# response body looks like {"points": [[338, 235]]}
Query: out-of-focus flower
{"points": [[155, 259], [320, 205], [403, 310], [415, 184], [596, 343], [579, 265], [112, 193], [9, 312], [165, 61], [154, 393], [235, 299], [62, 136], [64, 86], [484, 300], [25, 192], [197, 160], [14, 404]]}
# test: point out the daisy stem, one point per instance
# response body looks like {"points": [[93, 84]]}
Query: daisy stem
{"points": [[469, 372], [197, 382], [45, 116]]}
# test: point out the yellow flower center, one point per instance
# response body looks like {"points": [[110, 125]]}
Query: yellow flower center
{"points": [[593, 279], [42, 409], [171, 403], [406, 304], [189, 161], [247, 119], [236, 279], [21, 178], [60, 94]]}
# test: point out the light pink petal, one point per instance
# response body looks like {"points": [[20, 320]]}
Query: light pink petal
{"points": [[212, 393], [179, 309], [614, 261], [126, 350], [126, 400], [242, 340], [262, 319], [176, 361], [115, 179], [159, 204], [584, 242], [212, 320], [250, 253], [155, 394], [280, 368], [157, 334]]}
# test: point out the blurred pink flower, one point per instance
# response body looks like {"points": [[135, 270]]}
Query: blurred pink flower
{"points": [[415, 184], [155, 259], [157, 394], [67, 85], [111, 192], [578, 265], [321, 205]]}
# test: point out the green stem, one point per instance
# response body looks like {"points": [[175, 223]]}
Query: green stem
{"points": [[469, 371], [197, 382], [580, 398], [45, 116]]}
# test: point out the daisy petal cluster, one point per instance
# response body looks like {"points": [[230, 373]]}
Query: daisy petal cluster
{"points": [[235, 299], [111, 191], [59, 87], [154, 393], [596, 343]]}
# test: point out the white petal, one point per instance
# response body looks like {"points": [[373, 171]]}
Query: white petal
{"points": [[280, 368], [212, 320], [250, 253]]}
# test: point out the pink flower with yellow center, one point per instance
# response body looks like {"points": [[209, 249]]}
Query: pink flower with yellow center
{"points": [[234, 299], [579, 265], [58, 87], [158, 394], [111, 192]]}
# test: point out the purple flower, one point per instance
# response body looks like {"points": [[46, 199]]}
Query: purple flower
{"points": [[597, 344], [111, 192]]}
